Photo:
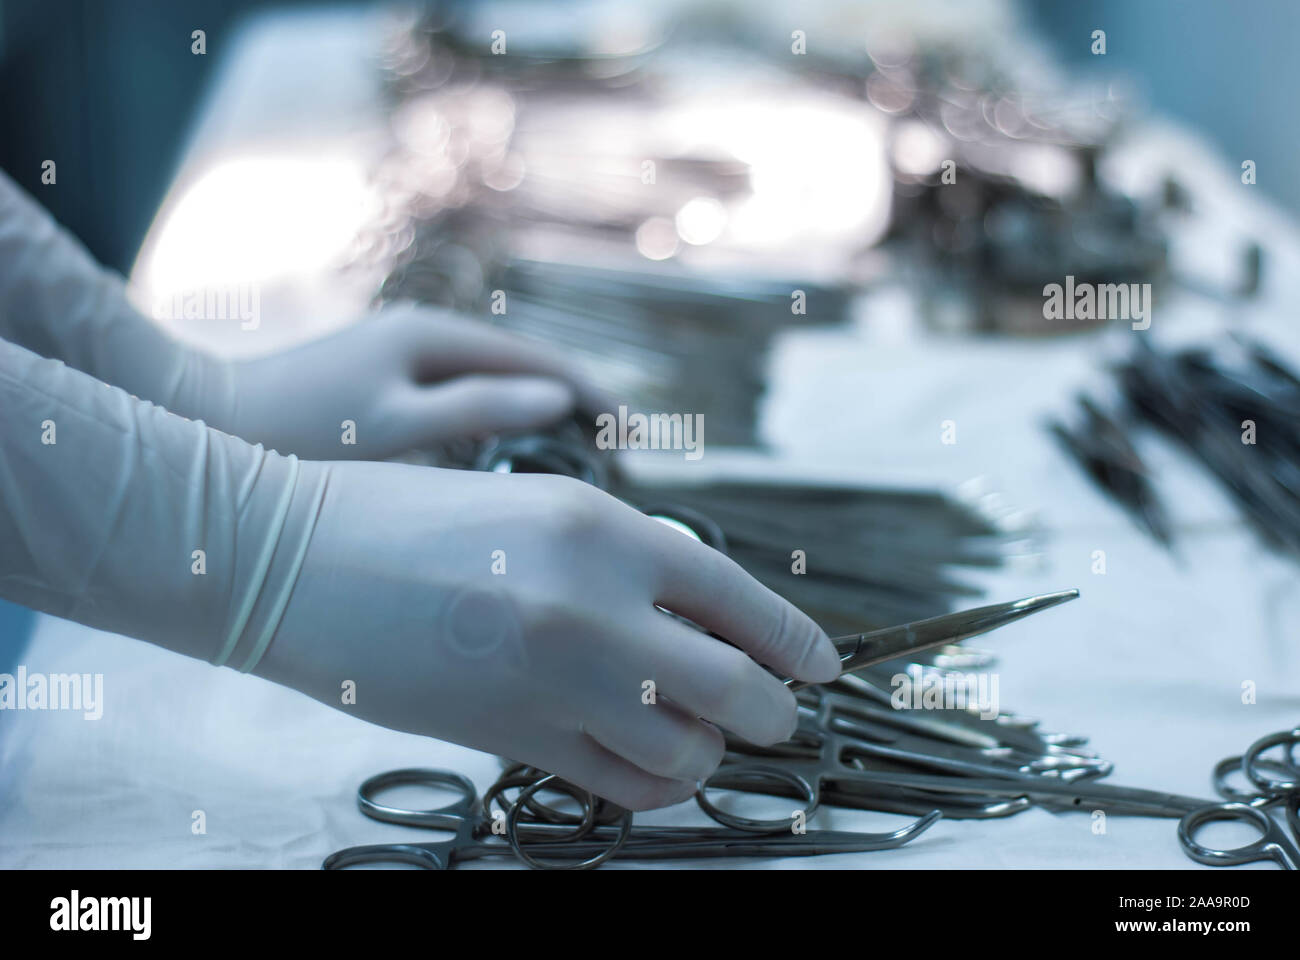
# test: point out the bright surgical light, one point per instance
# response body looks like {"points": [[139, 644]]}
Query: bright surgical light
{"points": [[701, 220], [259, 219], [818, 170], [917, 150]]}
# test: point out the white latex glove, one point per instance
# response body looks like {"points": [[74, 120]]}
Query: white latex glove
{"points": [[325, 575], [546, 660], [404, 378]]}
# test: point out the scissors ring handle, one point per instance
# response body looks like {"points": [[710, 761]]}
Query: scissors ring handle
{"points": [[1271, 845], [508, 781], [520, 775], [1222, 771], [1267, 785], [1230, 765], [416, 856], [761, 773], [553, 782], [696, 524], [606, 813], [542, 453], [450, 816]]}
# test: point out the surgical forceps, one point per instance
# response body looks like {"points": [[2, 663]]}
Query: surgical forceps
{"points": [[924, 741], [813, 770], [823, 752], [1275, 782], [1082, 794], [828, 764], [866, 690], [1023, 752]]}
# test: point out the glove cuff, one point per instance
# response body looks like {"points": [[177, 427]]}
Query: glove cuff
{"points": [[271, 559]]}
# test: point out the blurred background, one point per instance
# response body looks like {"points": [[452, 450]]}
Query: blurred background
{"points": [[826, 230], [831, 229], [112, 88]]}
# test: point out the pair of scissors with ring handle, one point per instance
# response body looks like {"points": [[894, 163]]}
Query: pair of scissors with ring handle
{"points": [[1276, 782], [470, 825]]}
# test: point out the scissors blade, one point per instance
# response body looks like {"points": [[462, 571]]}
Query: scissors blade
{"points": [[865, 649]]}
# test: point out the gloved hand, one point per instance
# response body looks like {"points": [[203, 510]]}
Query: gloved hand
{"points": [[517, 614], [511, 613], [404, 378]]}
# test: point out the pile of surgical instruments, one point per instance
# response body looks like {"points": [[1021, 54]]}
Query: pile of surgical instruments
{"points": [[552, 199], [906, 752], [848, 555], [856, 747], [546, 837], [833, 761], [1236, 408], [1103, 448], [1238, 412], [997, 188]]}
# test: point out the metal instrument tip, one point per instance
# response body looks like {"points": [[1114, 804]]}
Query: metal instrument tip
{"points": [[890, 643]]}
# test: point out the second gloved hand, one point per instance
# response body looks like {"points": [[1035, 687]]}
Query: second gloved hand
{"points": [[517, 614], [404, 378]]}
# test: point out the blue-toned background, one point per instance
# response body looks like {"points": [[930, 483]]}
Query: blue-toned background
{"points": [[15, 625], [108, 88], [1224, 67]]}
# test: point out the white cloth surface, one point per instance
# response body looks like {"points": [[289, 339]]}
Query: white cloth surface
{"points": [[1149, 662]]}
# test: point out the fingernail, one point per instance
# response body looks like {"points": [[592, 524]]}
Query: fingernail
{"points": [[825, 663], [685, 793]]}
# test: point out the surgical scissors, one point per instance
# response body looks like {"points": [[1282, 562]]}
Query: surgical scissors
{"points": [[1275, 782], [559, 841]]}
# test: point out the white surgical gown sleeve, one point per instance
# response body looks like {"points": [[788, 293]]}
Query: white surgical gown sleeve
{"points": [[56, 301], [120, 515]]}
